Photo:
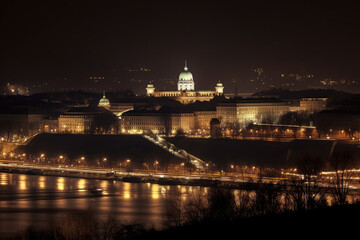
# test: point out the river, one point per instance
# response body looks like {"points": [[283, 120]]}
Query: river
{"points": [[42, 201]]}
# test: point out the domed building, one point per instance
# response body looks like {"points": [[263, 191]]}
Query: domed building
{"points": [[104, 102], [186, 81], [186, 92]]}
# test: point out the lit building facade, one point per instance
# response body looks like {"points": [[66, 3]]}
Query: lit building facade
{"points": [[75, 122], [313, 105], [158, 122], [86, 120], [245, 111], [202, 119], [186, 90]]}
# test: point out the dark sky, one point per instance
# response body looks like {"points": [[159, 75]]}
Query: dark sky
{"points": [[47, 40]]}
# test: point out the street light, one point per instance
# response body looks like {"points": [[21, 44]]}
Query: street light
{"points": [[61, 157], [82, 160], [104, 160], [42, 157], [128, 162], [156, 164]]}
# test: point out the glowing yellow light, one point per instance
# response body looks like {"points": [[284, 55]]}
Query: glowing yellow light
{"points": [[155, 191], [3, 178], [22, 182], [104, 184], [60, 184], [126, 190], [42, 182], [81, 184]]}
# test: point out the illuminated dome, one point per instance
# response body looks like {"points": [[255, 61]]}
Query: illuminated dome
{"points": [[186, 75], [104, 102], [186, 81]]}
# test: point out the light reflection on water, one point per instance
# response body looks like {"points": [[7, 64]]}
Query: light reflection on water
{"points": [[82, 184], [42, 182], [60, 184], [4, 179], [42, 201], [22, 182]]}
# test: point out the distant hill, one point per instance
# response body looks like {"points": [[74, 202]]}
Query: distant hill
{"points": [[115, 148]]}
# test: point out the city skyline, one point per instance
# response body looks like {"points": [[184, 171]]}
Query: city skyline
{"points": [[222, 42], [156, 119]]}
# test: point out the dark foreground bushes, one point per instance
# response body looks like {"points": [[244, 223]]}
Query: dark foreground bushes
{"points": [[84, 225], [268, 209]]}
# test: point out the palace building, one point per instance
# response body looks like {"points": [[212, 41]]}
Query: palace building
{"points": [[186, 92], [245, 111], [162, 121]]}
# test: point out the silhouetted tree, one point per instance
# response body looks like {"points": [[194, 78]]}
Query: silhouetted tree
{"points": [[267, 199], [308, 194], [180, 133], [296, 118], [268, 119], [342, 163], [79, 225], [221, 204], [104, 123]]}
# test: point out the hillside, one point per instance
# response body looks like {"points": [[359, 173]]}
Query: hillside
{"points": [[115, 148], [224, 151]]}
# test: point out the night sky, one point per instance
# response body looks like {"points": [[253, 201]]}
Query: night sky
{"points": [[221, 40]]}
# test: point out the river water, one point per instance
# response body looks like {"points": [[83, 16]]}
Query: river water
{"points": [[42, 201]]}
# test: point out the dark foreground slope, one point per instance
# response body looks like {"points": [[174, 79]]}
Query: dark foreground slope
{"points": [[337, 221], [224, 151], [115, 148]]}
